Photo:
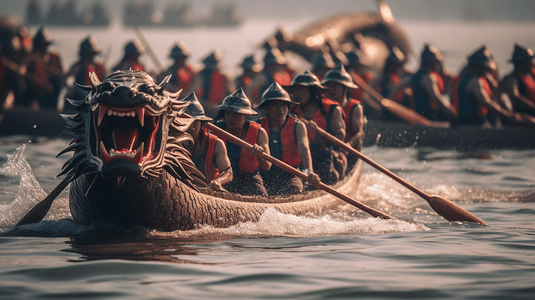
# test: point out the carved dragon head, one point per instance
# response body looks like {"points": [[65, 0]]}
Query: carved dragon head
{"points": [[128, 126]]}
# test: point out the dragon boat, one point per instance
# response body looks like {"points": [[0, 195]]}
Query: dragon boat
{"points": [[129, 166]]}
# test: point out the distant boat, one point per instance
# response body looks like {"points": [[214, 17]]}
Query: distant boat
{"points": [[178, 15], [138, 13], [142, 13], [224, 15], [66, 15]]}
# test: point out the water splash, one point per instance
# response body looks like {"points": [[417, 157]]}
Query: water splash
{"points": [[274, 223], [28, 193]]}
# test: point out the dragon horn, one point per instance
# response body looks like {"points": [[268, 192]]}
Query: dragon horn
{"points": [[94, 79]]}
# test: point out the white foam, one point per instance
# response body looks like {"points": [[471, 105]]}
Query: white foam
{"points": [[274, 223]]}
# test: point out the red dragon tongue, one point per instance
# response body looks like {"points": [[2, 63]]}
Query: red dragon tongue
{"points": [[125, 138]]}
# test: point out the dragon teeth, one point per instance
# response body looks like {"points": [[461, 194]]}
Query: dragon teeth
{"points": [[102, 110], [126, 153], [138, 112]]}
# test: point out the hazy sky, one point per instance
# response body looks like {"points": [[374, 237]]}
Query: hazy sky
{"points": [[521, 10]]}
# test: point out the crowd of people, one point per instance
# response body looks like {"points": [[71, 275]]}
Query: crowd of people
{"points": [[265, 105]]}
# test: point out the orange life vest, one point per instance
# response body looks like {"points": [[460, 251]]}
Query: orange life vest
{"points": [[290, 152], [211, 171], [248, 162]]}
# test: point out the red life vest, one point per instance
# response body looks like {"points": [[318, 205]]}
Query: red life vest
{"points": [[441, 88], [184, 77], [399, 96], [136, 67], [282, 78], [290, 152], [243, 81], [215, 87], [40, 68], [481, 110], [319, 118], [348, 112], [529, 82], [211, 171], [248, 162], [96, 67]]}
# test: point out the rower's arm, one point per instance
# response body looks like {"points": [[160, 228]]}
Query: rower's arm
{"points": [[431, 87], [222, 162], [338, 124], [263, 142], [475, 87], [357, 123], [301, 138], [511, 88]]}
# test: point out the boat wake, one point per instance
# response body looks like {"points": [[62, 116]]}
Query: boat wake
{"points": [[376, 190]]}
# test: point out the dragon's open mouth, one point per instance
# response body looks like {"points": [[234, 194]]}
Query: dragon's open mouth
{"points": [[133, 134]]}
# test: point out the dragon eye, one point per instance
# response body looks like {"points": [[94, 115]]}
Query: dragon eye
{"points": [[106, 86], [150, 90]]}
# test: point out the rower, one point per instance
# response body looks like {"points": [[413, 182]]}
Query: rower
{"points": [[275, 70], [44, 73], [520, 84], [245, 163], [250, 68], [339, 83], [396, 82], [307, 90], [132, 52], [209, 152], [429, 87], [80, 70], [358, 70], [11, 73], [321, 64], [211, 85], [182, 71], [474, 97], [288, 141]]}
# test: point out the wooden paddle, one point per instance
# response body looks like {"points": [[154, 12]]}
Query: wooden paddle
{"points": [[39, 211], [288, 168], [148, 47], [406, 114], [443, 206]]}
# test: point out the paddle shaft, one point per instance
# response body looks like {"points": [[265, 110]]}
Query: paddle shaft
{"points": [[300, 174], [151, 53], [442, 206], [39, 211], [395, 108]]}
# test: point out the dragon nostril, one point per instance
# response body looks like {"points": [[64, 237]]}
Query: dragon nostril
{"points": [[123, 92]]}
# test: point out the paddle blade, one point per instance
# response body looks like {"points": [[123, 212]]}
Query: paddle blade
{"points": [[451, 211], [37, 213]]}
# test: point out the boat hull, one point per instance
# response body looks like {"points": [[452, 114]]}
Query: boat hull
{"points": [[402, 135]]}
